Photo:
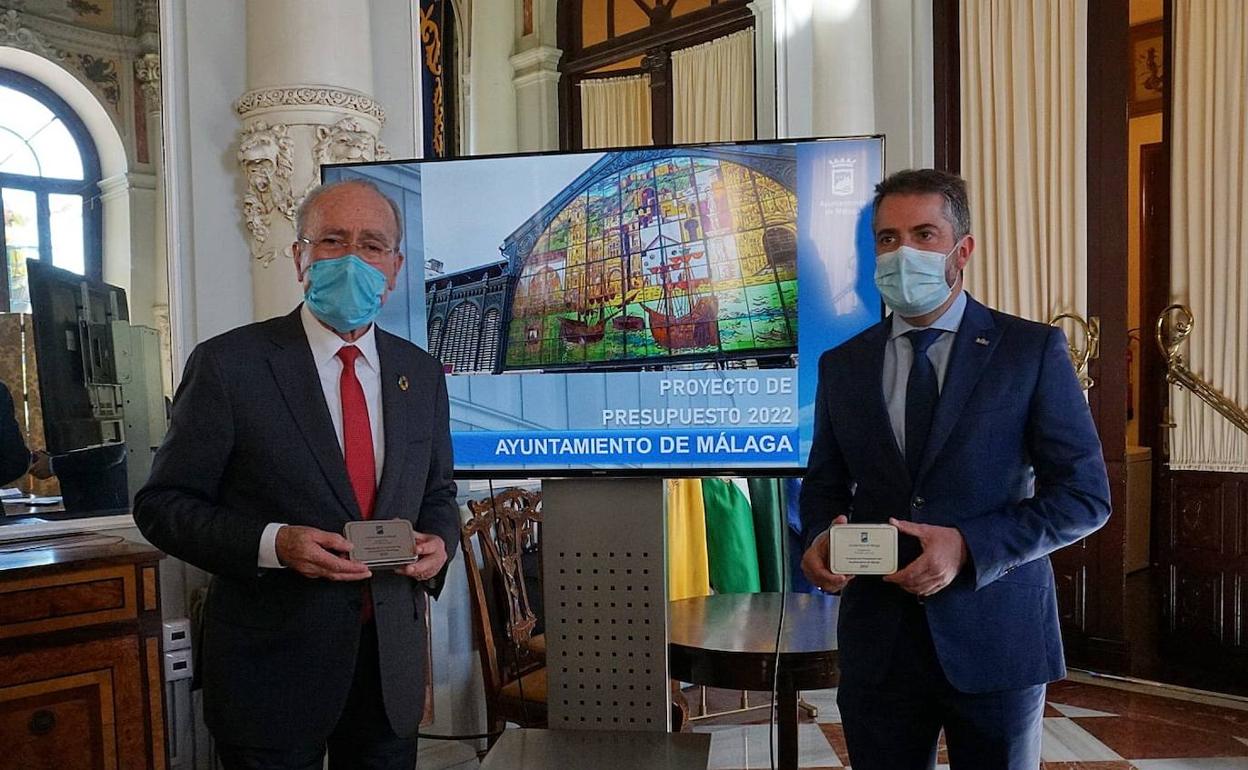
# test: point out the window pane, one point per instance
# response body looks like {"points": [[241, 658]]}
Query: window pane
{"points": [[19, 286], [16, 157], [33, 141], [22, 114], [21, 239], [57, 152], [66, 226]]}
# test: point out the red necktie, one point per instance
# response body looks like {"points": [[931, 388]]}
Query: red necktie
{"points": [[357, 433], [357, 448]]}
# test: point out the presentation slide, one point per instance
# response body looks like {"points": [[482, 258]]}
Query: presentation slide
{"points": [[654, 310]]}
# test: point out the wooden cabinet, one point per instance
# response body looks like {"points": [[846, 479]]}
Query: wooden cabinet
{"points": [[80, 662]]}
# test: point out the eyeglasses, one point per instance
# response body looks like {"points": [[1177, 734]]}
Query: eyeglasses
{"points": [[335, 246]]}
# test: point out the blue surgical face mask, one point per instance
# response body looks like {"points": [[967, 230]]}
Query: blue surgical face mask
{"points": [[912, 281], [344, 293]]}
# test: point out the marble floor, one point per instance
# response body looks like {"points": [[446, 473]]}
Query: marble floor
{"points": [[1088, 725]]}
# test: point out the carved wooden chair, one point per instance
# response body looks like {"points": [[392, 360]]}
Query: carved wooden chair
{"points": [[507, 528]]}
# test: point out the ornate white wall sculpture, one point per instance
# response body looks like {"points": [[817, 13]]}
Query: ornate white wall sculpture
{"points": [[266, 155]]}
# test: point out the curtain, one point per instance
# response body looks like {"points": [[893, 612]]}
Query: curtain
{"points": [[767, 504], [730, 543], [1209, 225], [713, 90], [1024, 118], [615, 112], [688, 569]]}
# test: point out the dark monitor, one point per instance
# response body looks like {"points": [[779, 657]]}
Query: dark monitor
{"points": [[79, 387], [72, 318]]}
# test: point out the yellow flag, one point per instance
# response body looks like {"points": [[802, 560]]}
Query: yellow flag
{"points": [[688, 573]]}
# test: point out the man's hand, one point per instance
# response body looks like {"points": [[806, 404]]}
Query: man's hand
{"points": [[944, 554], [41, 468], [431, 555], [815, 564], [314, 553]]}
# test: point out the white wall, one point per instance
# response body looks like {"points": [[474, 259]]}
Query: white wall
{"points": [[492, 95], [902, 75], [396, 81], [847, 67], [205, 71]]}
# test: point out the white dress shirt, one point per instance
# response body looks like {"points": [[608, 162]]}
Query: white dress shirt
{"points": [[325, 345], [898, 356]]}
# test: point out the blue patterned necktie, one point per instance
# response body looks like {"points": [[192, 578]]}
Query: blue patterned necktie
{"points": [[922, 393]]}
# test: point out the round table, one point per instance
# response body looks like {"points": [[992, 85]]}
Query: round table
{"points": [[729, 641]]}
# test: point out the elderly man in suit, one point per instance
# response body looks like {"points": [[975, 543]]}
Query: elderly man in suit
{"points": [[282, 432], [966, 429]]}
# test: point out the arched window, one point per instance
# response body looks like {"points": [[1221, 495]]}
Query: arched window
{"points": [[489, 341], [435, 336], [463, 327], [49, 187]]}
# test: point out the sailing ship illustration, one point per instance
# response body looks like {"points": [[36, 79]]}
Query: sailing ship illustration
{"points": [[681, 321], [593, 307]]}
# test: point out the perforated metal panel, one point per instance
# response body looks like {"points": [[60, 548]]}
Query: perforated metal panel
{"points": [[606, 604]]}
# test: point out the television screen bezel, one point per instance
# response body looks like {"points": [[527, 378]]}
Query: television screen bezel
{"points": [[472, 474]]}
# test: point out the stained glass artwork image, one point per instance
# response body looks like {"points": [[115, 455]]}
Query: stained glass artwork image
{"points": [[689, 256]]}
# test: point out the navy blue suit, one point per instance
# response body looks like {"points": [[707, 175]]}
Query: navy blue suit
{"points": [[1012, 461]]}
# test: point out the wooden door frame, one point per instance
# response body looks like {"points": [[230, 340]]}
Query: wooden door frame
{"points": [[1099, 640]]}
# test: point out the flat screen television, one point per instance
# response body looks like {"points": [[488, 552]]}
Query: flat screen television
{"points": [[80, 385], [642, 311], [78, 379]]}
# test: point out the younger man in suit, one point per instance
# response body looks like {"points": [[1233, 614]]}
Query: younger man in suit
{"points": [[966, 429], [282, 432]]}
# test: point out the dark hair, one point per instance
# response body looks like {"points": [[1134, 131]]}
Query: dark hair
{"points": [[921, 181], [301, 216]]}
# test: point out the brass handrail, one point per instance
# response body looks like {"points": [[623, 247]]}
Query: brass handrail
{"points": [[1080, 356], [1173, 327]]}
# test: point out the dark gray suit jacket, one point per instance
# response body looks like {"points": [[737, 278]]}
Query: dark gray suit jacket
{"points": [[14, 456], [251, 442]]}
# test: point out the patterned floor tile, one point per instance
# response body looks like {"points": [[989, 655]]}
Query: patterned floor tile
{"points": [[1160, 707], [1075, 711], [1153, 738], [1191, 764], [835, 733], [1065, 741], [1086, 727], [1118, 764], [746, 747]]}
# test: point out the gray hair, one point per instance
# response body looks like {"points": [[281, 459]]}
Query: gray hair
{"points": [[921, 181], [301, 216]]}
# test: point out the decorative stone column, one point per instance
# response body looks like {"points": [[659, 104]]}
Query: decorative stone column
{"points": [[310, 79], [844, 103], [147, 73], [537, 97], [764, 67], [824, 76]]}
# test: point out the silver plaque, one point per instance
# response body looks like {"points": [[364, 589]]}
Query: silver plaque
{"points": [[863, 549], [381, 542]]}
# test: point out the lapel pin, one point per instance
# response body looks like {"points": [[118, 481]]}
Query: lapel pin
{"points": [[402, 382], [981, 340]]}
